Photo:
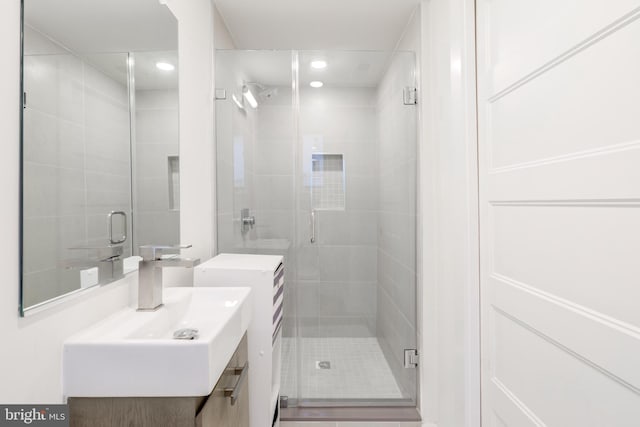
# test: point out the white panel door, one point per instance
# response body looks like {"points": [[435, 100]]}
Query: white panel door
{"points": [[559, 152]]}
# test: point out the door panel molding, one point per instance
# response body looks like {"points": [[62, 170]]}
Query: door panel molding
{"points": [[516, 413], [558, 151], [594, 38]]}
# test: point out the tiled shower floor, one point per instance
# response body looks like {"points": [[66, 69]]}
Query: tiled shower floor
{"points": [[358, 369]]}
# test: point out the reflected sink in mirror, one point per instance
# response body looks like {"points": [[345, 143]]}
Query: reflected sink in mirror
{"points": [[134, 353]]}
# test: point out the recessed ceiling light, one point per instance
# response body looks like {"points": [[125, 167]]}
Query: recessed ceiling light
{"points": [[316, 84], [319, 64], [165, 66]]}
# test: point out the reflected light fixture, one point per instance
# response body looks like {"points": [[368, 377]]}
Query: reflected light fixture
{"points": [[318, 64], [165, 66], [316, 84], [237, 101], [248, 95]]}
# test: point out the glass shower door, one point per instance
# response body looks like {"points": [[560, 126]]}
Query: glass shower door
{"points": [[323, 169], [356, 178]]}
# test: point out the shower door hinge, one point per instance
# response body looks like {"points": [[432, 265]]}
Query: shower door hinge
{"points": [[410, 95], [410, 358], [221, 94]]}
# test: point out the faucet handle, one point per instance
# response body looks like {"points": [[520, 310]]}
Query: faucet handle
{"points": [[155, 252]]}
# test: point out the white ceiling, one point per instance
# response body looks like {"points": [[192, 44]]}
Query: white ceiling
{"points": [[316, 24], [344, 69]]}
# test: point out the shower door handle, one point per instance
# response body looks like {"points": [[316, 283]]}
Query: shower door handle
{"points": [[313, 226], [123, 237]]}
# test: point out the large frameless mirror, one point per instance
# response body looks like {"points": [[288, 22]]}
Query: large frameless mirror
{"points": [[100, 166]]}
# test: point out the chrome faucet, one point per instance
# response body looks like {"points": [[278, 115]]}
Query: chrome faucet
{"points": [[246, 221], [150, 273]]}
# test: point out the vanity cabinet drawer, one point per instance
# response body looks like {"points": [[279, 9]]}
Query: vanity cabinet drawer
{"points": [[219, 409], [228, 404]]}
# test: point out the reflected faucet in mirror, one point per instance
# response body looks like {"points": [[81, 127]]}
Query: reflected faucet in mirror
{"points": [[154, 259], [108, 260]]}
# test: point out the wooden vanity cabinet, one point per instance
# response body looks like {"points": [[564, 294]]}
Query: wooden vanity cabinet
{"points": [[214, 410], [220, 410]]}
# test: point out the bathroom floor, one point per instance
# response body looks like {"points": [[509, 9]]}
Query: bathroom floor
{"points": [[338, 368]]}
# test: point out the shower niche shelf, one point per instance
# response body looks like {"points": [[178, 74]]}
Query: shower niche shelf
{"points": [[328, 181]]}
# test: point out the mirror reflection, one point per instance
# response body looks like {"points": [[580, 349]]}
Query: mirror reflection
{"points": [[100, 166]]}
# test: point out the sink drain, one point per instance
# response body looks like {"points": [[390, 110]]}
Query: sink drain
{"points": [[185, 334]]}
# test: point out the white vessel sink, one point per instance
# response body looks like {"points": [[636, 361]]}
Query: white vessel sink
{"points": [[134, 353]]}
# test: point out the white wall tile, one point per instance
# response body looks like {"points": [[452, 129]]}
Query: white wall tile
{"points": [[360, 194], [40, 241], [274, 156], [346, 299], [50, 141], [274, 192], [274, 122], [157, 126], [35, 43], [101, 111], [152, 160], [157, 99], [347, 227], [348, 263], [153, 194], [96, 82], [53, 84], [52, 191], [274, 224], [158, 228]]}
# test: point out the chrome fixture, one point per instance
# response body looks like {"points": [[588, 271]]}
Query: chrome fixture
{"points": [[239, 102], [246, 221], [241, 373], [284, 402], [248, 95], [108, 259], [221, 94], [263, 92], [186, 334], [410, 358], [123, 237], [313, 226], [410, 95], [150, 272]]}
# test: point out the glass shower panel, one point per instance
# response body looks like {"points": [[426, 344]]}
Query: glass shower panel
{"points": [[254, 146], [155, 149], [255, 166]]}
